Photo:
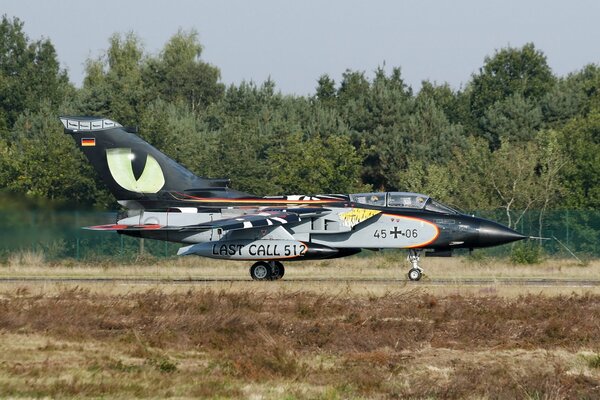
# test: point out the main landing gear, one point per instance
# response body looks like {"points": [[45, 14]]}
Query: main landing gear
{"points": [[267, 271], [416, 272]]}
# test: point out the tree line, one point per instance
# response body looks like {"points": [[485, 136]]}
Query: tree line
{"points": [[516, 137]]}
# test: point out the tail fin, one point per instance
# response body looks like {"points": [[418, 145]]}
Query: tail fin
{"points": [[136, 173]]}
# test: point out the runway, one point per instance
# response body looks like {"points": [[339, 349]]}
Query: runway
{"points": [[535, 282]]}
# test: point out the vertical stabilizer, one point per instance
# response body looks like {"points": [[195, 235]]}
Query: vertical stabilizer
{"points": [[134, 171]]}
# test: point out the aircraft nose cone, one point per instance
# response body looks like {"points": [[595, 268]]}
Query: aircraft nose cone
{"points": [[492, 234]]}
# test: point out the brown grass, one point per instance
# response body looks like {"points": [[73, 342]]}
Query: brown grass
{"points": [[26, 258], [218, 343]]}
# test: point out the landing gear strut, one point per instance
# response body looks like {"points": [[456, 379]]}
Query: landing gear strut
{"points": [[415, 272], [267, 271], [277, 270]]}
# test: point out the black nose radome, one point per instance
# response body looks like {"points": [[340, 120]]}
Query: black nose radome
{"points": [[493, 234]]}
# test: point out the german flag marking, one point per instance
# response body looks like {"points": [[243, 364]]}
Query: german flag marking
{"points": [[88, 142]]}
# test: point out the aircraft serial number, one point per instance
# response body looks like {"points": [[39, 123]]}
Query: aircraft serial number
{"points": [[407, 233]]}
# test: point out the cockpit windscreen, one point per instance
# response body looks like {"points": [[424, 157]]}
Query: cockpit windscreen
{"points": [[435, 206]]}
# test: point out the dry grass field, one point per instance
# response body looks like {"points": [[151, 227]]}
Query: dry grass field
{"points": [[300, 338]]}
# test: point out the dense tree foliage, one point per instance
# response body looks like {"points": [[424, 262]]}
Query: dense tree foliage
{"points": [[30, 75], [516, 137]]}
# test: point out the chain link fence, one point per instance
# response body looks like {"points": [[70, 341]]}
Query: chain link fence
{"points": [[59, 235]]}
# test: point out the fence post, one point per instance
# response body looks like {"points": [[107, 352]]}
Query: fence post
{"points": [[567, 223], [33, 221], [77, 225]]}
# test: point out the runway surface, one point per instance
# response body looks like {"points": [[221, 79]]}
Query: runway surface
{"points": [[378, 281]]}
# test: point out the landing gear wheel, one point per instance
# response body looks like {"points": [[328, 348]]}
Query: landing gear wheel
{"points": [[277, 270], [260, 271], [415, 274]]}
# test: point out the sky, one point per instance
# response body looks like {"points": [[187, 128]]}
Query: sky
{"points": [[295, 42]]}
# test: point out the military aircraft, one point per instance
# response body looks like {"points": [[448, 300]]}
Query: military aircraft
{"points": [[165, 201]]}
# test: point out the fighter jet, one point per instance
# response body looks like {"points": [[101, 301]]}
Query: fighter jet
{"points": [[165, 201]]}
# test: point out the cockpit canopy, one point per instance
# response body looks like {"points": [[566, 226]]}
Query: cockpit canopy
{"points": [[402, 200]]}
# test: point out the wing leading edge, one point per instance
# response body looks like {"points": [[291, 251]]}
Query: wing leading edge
{"points": [[248, 221]]}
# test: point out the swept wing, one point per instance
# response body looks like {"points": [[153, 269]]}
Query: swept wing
{"points": [[246, 221]]}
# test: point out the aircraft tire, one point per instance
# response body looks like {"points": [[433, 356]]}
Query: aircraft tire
{"points": [[260, 271], [415, 274], [277, 270]]}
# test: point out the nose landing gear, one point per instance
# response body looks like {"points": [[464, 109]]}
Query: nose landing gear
{"points": [[416, 272], [267, 271]]}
